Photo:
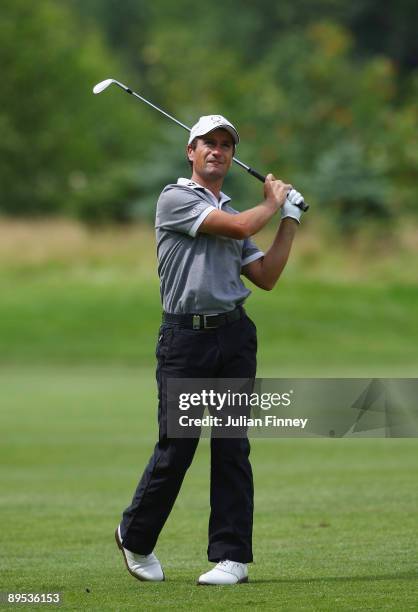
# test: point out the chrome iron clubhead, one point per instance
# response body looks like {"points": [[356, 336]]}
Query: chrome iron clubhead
{"points": [[106, 83]]}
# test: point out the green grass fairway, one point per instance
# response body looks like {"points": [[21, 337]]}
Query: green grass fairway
{"points": [[335, 521]]}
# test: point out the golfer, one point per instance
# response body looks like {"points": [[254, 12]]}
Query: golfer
{"points": [[204, 248]]}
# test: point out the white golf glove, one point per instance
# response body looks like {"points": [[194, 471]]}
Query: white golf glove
{"points": [[290, 208]]}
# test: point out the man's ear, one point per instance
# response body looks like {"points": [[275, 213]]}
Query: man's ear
{"points": [[189, 152]]}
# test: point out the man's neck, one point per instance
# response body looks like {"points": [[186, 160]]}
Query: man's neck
{"points": [[213, 186]]}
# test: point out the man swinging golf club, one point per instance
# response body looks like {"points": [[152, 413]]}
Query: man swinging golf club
{"points": [[204, 247]]}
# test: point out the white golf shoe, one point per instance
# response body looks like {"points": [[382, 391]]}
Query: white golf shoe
{"points": [[225, 572], [142, 567]]}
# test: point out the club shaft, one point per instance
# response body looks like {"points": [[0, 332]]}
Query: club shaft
{"points": [[163, 112], [160, 110], [250, 170]]}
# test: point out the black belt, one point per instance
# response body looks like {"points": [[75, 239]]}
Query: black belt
{"points": [[204, 321]]}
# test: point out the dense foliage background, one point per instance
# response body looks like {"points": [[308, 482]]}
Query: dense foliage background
{"points": [[323, 92]]}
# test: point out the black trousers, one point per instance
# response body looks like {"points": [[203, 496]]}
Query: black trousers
{"points": [[226, 352]]}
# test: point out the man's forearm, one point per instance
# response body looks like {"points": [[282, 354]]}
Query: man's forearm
{"points": [[254, 219], [245, 224], [277, 255]]}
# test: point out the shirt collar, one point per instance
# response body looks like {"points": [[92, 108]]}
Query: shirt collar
{"points": [[223, 198]]}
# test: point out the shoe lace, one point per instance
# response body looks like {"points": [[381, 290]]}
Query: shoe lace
{"points": [[227, 563]]}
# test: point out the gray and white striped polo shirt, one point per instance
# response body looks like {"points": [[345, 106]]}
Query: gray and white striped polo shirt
{"points": [[199, 273]]}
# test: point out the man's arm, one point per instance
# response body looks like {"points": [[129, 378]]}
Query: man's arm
{"points": [[265, 272], [247, 223]]}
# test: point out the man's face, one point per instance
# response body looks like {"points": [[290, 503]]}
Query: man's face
{"points": [[213, 154]]}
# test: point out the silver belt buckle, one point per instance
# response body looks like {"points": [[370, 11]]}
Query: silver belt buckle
{"points": [[196, 321], [205, 321]]}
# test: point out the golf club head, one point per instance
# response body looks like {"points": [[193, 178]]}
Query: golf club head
{"points": [[105, 84], [102, 86]]}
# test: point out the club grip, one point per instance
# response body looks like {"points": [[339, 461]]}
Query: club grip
{"points": [[303, 206], [257, 175]]}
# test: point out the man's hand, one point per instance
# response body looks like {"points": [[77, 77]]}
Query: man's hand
{"points": [[290, 208], [275, 191]]}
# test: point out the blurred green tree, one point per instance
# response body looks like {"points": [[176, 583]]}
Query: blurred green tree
{"points": [[317, 99], [59, 142]]}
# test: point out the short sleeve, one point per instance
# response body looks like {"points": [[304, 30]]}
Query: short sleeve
{"points": [[181, 210], [250, 252]]}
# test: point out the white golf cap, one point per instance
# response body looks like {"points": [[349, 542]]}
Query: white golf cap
{"points": [[208, 123]]}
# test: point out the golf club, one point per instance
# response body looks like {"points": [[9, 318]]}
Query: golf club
{"points": [[107, 82]]}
